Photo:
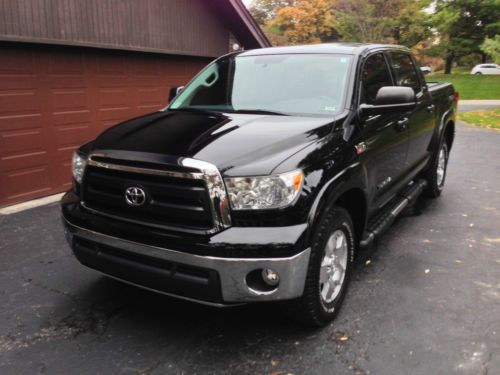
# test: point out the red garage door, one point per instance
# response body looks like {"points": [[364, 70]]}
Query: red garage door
{"points": [[54, 99]]}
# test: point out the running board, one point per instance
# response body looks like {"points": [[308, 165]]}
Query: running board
{"points": [[383, 220]]}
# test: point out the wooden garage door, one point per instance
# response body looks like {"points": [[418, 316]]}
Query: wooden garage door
{"points": [[53, 99]]}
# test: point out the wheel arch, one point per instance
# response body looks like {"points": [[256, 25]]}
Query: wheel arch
{"points": [[449, 133], [347, 192]]}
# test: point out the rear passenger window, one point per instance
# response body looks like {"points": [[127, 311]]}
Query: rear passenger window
{"points": [[375, 75], [405, 71]]}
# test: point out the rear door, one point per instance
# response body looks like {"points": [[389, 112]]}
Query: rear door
{"points": [[421, 121], [385, 138]]}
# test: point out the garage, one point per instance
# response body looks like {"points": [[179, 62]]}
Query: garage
{"points": [[70, 70]]}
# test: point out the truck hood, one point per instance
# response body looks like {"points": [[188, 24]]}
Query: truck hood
{"points": [[238, 144]]}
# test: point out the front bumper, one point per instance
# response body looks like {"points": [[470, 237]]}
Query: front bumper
{"points": [[207, 279]]}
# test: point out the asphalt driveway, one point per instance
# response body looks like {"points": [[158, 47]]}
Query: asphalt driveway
{"points": [[424, 300]]}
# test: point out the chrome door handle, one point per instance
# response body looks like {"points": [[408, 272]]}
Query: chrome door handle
{"points": [[402, 124]]}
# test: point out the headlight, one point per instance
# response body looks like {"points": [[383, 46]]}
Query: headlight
{"points": [[264, 192], [78, 166]]}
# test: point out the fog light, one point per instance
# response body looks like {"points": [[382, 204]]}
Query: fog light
{"points": [[270, 277]]}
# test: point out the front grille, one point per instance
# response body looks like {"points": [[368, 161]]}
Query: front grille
{"points": [[171, 202]]}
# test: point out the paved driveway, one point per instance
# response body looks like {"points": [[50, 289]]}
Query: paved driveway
{"points": [[427, 302]]}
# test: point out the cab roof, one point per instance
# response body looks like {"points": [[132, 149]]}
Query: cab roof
{"points": [[326, 48]]}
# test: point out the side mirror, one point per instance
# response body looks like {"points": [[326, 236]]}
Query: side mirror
{"points": [[174, 91], [391, 99]]}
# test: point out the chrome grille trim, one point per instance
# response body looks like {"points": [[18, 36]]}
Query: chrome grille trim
{"points": [[209, 173]]}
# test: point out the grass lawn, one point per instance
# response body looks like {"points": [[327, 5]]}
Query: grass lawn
{"points": [[485, 118], [470, 86]]}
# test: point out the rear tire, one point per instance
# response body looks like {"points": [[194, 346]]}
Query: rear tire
{"points": [[329, 270], [478, 73], [436, 174]]}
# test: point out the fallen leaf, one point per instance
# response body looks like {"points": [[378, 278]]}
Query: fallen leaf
{"points": [[471, 225], [493, 240], [465, 215], [344, 338], [368, 262], [427, 270], [274, 362], [458, 261]]}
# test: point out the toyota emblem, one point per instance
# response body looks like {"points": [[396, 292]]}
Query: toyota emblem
{"points": [[135, 196]]}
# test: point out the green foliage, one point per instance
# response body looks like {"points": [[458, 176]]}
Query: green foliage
{"points": [[485, 118], [381, 21], [471, 86], [462, 26], [491, 46]]}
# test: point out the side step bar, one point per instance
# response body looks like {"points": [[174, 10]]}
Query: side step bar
{"points": [[383, 220]]}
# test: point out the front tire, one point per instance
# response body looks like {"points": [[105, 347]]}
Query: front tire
{"points": [[436, 174], [329, 270]]}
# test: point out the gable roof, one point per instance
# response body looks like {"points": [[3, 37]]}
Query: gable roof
{"points": [[241, 23]]}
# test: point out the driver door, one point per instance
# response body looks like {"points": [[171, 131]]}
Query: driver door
{"points": [[385, 136]]}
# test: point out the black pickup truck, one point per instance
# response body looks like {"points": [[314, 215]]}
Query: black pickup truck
{"points": [[263, 177]]}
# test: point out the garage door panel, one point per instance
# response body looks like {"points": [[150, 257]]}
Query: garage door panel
{"points": [[71, 135], [113, 97], [23, 183], [62, 63], [68, 99], [145, 67], [24, 160], [112, 64], [17, 62], [68, 117], [14, 82], [18, 102], [148, 97], [19, 141], [13, 122]]}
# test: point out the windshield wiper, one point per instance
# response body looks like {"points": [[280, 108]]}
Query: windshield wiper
{"points": [[259, 112]]}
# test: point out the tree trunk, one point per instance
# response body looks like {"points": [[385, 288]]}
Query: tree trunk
{"points": [[483, 57], [448, 64]]}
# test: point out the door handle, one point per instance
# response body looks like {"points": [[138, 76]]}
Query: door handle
{"points": [[402, 124], [430, 108]]}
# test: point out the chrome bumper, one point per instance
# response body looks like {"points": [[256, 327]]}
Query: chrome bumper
{"points": [[232, 271]]}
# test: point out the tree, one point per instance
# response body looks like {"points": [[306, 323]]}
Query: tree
{"points": [[491, 46], [306, 21], [462, 26], [264, 10], [381, 21]]}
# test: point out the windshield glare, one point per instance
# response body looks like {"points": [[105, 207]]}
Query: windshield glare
{"points": [[309, 84]]}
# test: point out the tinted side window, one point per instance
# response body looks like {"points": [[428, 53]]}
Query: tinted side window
{"points": [[404, 70], [375, 75]]}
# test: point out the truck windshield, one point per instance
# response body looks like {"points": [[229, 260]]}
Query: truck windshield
{"points": [[307, 84]]}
